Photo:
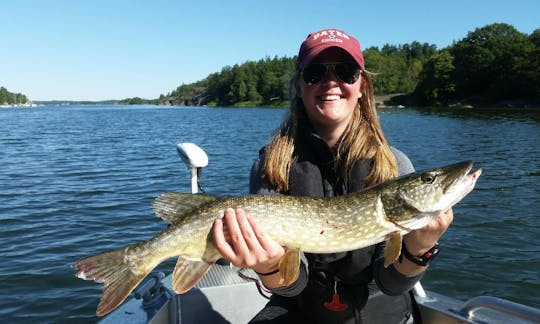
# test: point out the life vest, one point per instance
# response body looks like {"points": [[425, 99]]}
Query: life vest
{"points": [[340, 288], [314, 174]]}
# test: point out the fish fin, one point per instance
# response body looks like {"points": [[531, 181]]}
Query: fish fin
{"points": [[171, 206], [289, 266], [187, 273], [118, 278], [392, 249]]}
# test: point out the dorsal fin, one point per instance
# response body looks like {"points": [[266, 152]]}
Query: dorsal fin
{"points": [[171, 206]]}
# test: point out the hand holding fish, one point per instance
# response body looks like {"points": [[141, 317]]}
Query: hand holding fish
{"points": [[314, 225], [239, 240], [421, 240]]}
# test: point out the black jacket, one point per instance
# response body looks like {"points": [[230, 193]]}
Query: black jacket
{"points": [[372, 293]]}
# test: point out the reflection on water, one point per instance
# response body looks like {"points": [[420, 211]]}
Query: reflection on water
{"points": [[521, 114]]}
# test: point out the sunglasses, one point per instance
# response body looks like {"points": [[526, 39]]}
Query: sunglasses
{"points": [[317, 72]]}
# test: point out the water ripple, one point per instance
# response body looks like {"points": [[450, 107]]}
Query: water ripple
{"points": [[80, 180]]}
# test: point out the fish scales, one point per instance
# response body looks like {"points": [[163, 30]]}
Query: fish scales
{"points": [[315, 225]]}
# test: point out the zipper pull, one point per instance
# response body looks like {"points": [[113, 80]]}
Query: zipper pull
{"points": [[335, 305]]}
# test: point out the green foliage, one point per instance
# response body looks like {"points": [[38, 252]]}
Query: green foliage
{"points": [[492, 64], [137, 101], [529, 68], [490, 61], [436, 85], [266, 82], [397, 68], [260, 83], [8, 98]]}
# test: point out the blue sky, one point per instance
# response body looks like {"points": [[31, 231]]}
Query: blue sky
{"points": [[114, 49]]}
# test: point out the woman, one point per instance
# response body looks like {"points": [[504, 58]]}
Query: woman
{"points": [[331, 144]]}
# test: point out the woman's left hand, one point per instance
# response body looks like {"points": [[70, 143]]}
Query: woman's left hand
{"points": [[421, 240]]}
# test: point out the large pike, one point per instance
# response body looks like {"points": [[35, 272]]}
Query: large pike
{"points": [[317, 225]]}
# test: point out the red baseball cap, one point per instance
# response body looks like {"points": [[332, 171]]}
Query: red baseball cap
{"points": [[317, 42]]}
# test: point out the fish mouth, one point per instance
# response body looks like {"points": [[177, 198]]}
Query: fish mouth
{"points": [[456, 181], [460, 181], [470, 178], [459, 173], [474, 176]]}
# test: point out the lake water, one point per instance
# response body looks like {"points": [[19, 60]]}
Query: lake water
{"points": [[79, 180]]}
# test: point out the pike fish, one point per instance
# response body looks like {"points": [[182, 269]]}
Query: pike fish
{"points": [[383, 212]]}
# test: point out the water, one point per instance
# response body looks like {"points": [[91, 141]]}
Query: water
{"points": [[79, 180]]}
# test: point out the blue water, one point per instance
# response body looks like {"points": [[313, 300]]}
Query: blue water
{"points": [[78, 180]]}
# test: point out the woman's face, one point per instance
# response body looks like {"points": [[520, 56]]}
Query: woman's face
{"points": [[330, 103]]}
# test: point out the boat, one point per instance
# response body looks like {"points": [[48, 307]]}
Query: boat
{"points": [[209, 301]]}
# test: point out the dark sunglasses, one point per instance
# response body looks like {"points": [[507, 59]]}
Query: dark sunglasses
{"points": [[317, 72]]}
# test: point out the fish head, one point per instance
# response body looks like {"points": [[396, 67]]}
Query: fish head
{"points": [[412, 201]]}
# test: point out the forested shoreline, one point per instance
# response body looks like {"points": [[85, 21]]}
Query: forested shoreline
{"points": [[10, 98], [495, 65]]}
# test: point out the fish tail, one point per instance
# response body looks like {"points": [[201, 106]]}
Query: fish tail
{"points": [[119, 277]]}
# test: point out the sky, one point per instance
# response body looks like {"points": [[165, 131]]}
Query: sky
{"points": [[114, 49]]}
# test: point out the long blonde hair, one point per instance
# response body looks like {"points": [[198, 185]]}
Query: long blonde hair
{"points": [[362, 139]]}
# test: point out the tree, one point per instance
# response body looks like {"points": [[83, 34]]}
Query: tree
{"points": [[437, 84], [529, 69], [487, 61], [9, 98], [495, 62], [397, 68]]}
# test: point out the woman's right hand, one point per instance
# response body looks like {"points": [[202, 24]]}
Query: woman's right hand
{"points": [[239, 240]]}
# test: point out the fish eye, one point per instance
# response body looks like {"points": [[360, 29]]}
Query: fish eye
{"points": [[428, 177]]}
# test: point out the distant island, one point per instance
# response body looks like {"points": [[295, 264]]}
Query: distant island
{"points": [[76, 102], [493, 66], [11, 99]]}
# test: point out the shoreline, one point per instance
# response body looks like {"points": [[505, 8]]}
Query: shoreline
{"points": [[389, 101]]}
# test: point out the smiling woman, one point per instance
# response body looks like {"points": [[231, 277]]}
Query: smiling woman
{"points": [[330, 145], [331, 92]]}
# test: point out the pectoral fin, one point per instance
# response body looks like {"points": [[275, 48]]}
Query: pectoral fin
{"points": [[393, 249], [187, 273], [289, 267]]}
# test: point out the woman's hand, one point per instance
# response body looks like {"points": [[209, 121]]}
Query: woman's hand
{"points": [[421, 240], [239, 240]]}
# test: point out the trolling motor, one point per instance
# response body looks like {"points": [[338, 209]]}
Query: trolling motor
{"points": [[152, 291], [195, 159]]}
